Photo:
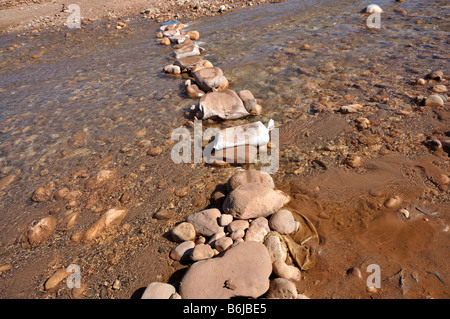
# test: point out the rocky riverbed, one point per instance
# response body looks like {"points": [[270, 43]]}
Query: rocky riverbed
{"points": [[87, 177]]}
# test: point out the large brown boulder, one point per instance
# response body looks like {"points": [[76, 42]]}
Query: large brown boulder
{"points": [[208, 78], [242, 271], [224, 104], [254, 200], [250, 176]]}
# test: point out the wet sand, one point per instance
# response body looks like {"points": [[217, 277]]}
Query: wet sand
{"points": [[402, 151]]}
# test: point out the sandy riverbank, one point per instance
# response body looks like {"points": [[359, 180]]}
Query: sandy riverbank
{"points": [[17, 16]]}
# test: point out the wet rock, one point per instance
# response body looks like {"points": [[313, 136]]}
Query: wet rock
{"points": [[254, 200], [250, 176], [434, 101], [246, 265], [206, 222], [225, 219], [179, 39], [223, 244], [373, 8], [439, 88], [172, 69], [192, 90], [328, 67], [107, 221], [193, 35], [286, 271], [158, 290], [277, 249], [155, 151], [52, 283], [80, 292], [100, 179], [183, 251], [202, 252], [348, 109], [281, 288], [421, 81], [435, 75], [42, 194], [183, 232], [188, 63], [224, 104], [248, 99], [4, 268], [6, 181], [208, 79], [187, 50], [225, 84], [283, 222], [165, 41], [393, 202], [40, 232], [61, 194], [163, 214]]}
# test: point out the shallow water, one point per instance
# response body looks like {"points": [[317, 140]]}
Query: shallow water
{"points": [[70, 101]]}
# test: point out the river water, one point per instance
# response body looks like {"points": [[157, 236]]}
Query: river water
{"points": [[70, 99]]}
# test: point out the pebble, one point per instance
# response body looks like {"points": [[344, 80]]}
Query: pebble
{"points": [[348, 109], [283, 222], [286, 271], [434, 101], [277, 249], [225, 219], [112, 218], [155, 151], [439, 88], [223, 243], [172, 69], [238, 225], [40, 232], [435, 75], [183, 251], [41, 194], [6, 181], [183, 232], [52, 283], [206, 222], [163, 214], [404, 212], [248, 99], [281, 288], [421, 81], [193, 35], [158, 290], [202, 252], [393, 202], [240, 233]]}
